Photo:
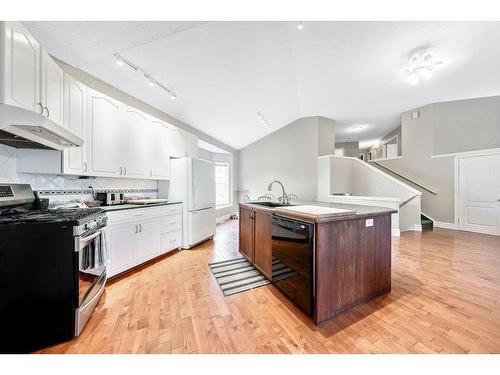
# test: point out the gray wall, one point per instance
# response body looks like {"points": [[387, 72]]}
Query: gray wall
{"points": [[379, 145], [417, 164], [466, 125], [288, 155], [351, 149]]}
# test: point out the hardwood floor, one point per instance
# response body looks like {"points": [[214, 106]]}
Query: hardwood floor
{"points": [[445, 299]]}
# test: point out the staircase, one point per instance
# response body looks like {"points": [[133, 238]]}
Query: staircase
{"points": [[426, 222]]}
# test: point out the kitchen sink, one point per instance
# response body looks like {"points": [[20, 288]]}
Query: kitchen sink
{"points": [[270, 204]]}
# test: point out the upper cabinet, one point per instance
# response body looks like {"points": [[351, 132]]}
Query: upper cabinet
{"points": [[134, 142], [30, 77], [183, 144], [20, 62], [104, 133], [159, 157], [75, 120], [51, 88]]}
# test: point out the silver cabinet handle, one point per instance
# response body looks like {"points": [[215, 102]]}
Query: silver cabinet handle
{"points": [[136, 228], [125, 171], [140, 228], [85, 166], [48, 112], [121, 171], [41, 107], [171, 241]]}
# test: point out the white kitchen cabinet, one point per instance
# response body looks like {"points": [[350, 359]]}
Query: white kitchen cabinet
{"points": [[75, 103], [149, 239], [141, 234], [183, 144], [133, 143], [20, 65], [159, 156], [51, 88], [123, 243], [104, 129]]}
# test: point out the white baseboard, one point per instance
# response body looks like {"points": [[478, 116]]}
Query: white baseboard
{"points": [[444, 225], [418, 228], [395, 232], [222, 218]]}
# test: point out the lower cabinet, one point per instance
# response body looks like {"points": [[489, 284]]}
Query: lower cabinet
{"points": [[138, 235], [255, 239]]}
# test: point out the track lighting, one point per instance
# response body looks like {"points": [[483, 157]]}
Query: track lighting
{"points": [[151, 81], [261, 118]]}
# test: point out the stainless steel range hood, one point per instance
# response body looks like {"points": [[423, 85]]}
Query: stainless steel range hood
{"points": [[22, 128]]}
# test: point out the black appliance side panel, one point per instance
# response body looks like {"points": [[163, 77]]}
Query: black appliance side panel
{"points": [[37, 288]]}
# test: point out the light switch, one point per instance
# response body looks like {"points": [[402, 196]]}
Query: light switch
{"points": [[369, 222]]}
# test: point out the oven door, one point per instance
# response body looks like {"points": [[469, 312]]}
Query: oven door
{"points": [[93, 259]]}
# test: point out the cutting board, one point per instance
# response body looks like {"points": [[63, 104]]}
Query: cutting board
{"points": [[312, 212], [147, 201]]}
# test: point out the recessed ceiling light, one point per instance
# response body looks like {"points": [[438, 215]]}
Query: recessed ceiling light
{"points": [[300, 26]]}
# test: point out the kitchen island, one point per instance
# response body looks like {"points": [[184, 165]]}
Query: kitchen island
{"points": [[350, 252]]}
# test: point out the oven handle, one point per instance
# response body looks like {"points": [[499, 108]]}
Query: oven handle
{"points": [[89, 238]]}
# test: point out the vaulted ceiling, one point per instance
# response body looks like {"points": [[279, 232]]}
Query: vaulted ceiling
{"points": [[224, 73]]}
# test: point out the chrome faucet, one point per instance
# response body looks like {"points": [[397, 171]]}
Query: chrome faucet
{"points": [[283, 199]]}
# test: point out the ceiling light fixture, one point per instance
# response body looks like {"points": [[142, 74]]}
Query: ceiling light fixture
{"points": [[151, 81], [264, 122], [300, 26], [357, 128], [421, 67]]}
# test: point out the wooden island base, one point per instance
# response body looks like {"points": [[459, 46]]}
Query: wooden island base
{"points": [[352, 261]]}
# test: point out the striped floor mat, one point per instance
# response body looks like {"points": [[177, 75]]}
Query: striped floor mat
{"points": [[238, 275]]}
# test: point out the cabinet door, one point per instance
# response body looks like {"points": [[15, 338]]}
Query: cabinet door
{"points": [[133, 147], [150, 239], [123, 245], [103, 123], [246, 233], [262, 242], [51, 88], [183, 144], [159, 162], [74, 158], [21, 71]]}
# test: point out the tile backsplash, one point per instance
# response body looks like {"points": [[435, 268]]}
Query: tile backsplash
{"points": [[8, 173]]}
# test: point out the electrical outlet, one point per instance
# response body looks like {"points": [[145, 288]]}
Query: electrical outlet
{"points": [[369, 222]]}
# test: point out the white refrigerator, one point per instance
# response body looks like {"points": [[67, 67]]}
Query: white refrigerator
{"points": [[192, 181]]}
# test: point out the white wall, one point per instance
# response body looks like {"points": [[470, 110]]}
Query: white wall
{"points": [[351, 149], [233, 177], [288, 155]]}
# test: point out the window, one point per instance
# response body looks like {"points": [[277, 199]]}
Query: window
{"points": [[222, 196]]}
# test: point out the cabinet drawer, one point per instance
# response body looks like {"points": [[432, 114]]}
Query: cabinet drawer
{"points": [[170, 223], [132, 214], [171, 209], [171, 241]]}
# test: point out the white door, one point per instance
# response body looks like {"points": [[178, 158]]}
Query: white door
{"points": [[202, 185], [103, 123], [123, 244], [21, 83], [201, 225], [133, 148], [149, 239], [74, 120], [159, 162], [479, 194], [51, 88]]}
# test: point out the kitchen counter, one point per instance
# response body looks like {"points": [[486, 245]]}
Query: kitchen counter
{"points": [[359, 211], [347, 264], [129, 206]]}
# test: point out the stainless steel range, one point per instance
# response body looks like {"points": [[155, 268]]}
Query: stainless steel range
{"points": [[52, 269]]}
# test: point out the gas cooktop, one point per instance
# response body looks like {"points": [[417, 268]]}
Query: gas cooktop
{"points": [[20, 215]]}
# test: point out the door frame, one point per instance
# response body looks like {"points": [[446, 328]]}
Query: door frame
{"points": [[458, 157]]}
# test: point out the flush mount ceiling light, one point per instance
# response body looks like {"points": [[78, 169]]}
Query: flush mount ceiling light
{"points": [[300, 26], [264, 122], [120, 61], [421, 67]]}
